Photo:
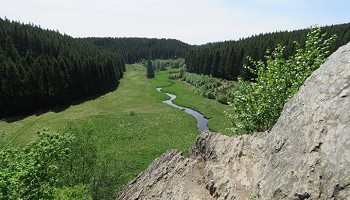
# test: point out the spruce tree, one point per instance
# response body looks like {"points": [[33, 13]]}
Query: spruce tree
{"points": [[150, 70], [41, 68]]}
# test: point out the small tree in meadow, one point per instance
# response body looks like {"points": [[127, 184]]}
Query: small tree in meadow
{"points": [[150, 70], [258, 104]]}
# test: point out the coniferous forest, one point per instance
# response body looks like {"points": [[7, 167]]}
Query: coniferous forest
{"points": [[136, 49], [227, 59], [42, 68]]}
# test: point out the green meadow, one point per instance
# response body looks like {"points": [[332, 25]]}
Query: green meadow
{"points": [[130, 124]]}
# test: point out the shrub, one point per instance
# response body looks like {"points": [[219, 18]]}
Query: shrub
{"points": [[78, 192], [222, 99], [87, 166], [258, 104], [132, 113], [32, 172]]}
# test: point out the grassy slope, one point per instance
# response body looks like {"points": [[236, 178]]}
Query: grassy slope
{"points": [[133, 139]]}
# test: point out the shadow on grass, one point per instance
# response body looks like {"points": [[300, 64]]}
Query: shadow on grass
{"points": [[55, 109]]}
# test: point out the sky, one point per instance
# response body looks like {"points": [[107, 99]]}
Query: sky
{"points": [[191, 21]]}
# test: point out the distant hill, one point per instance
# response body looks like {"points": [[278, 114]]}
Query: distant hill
{"points": [[42, 68], [226, 59], [136, 49]]}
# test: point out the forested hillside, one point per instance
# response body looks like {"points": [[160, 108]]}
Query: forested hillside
{"points": [[136, 49], [42, 68], [226, 59]]}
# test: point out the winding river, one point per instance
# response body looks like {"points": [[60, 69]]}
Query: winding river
{"points": [[201, 120]]}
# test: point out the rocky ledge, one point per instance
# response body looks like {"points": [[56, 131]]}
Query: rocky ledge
{"points": [[306, 155]]}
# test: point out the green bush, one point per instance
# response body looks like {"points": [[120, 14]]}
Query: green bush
{"points": [[209, 94], [222, 99], [32, 172], [65, 165], [258, 104], [78, 192], [208, 86], [161, 65], [86, 166]]}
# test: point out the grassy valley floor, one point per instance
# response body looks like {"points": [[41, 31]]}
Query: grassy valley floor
{"points": [[130, 124]]}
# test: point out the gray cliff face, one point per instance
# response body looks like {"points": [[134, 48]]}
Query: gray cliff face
{"points": [[219, 167], [308, 149], [306, 155]]}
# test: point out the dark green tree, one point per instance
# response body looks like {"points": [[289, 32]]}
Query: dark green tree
{"points": [[150, 70], [136, 49], [227, 59], [216, 64], [42, 68]]}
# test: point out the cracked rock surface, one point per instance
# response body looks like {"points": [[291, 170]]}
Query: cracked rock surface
{"points": [[308, 149], [306, 155]]}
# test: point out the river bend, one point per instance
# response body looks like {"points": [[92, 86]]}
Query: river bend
{"points": [[201, 120]]}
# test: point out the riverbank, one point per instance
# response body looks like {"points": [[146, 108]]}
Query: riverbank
{"points": [[201, 120], [188, 96]]}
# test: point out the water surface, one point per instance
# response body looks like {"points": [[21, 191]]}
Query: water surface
{"points": [[201, 120]]}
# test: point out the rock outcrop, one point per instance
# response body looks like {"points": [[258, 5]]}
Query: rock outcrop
{"points": [[306, 155], [218, 167], [308, 149]]}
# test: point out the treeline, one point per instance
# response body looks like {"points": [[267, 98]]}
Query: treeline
{"points": [[42, 68], [227, 59], [207, 86], [162, 65], [137, 49]]}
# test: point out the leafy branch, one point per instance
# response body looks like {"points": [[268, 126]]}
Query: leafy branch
{"points": [[258, 103]]}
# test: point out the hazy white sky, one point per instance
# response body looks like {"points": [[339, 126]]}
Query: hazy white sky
{"points": [[192, 21]]}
